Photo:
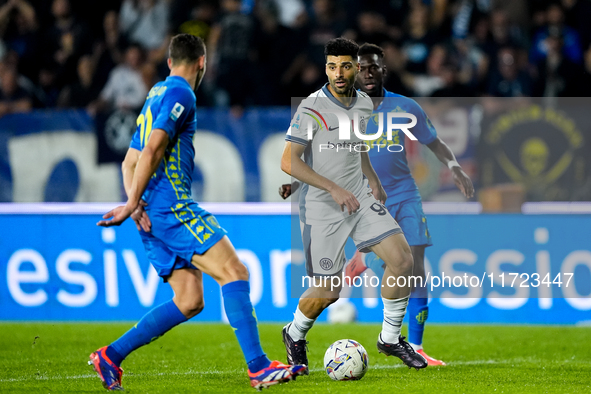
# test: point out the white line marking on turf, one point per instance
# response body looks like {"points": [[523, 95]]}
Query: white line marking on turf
{"points": [[216, 372], [454, 363]]}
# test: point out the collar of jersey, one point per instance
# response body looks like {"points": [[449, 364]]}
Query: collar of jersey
{"points": [[337, 102], [177, 77], [386, 94]]}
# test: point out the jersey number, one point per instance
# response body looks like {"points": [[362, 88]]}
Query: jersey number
{"points": [[380, 209], [145, 123]]}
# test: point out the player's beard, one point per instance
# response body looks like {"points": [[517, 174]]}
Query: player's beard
{"points": [[346, 90]]}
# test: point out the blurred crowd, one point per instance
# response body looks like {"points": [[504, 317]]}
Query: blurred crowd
{"points": [[106, 54]]}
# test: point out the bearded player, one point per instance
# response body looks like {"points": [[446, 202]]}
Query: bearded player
{"points": [[404, 201], [336, 203]]}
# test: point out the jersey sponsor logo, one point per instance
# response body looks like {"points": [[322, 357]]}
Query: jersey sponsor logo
{"points": [[326, 263], [333, 128], [351, 147], [176, 112]]}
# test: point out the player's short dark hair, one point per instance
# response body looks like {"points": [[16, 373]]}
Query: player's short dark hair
{"points": [[370, 49], [341, 47], [186, 48]]}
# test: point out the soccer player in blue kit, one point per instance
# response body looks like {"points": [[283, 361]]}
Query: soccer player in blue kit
{"points": [[404, 201], [181, 239]]}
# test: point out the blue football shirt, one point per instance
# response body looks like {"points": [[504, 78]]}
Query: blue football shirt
{"points": [[392, 167], [170, 106]]}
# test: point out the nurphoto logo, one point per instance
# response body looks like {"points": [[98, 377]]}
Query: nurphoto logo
{"points": [[345, 125]]}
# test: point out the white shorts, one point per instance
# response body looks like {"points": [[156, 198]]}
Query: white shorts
{"points": [[324, 245]]}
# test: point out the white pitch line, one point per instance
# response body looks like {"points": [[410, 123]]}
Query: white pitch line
{"points": [[449, 364], [216, 372]]}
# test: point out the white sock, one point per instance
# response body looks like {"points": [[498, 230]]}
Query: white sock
{"points": [[300, 325], [394, 311], [416, 347]]}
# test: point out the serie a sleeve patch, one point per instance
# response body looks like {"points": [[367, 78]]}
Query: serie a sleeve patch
{"points": [[176, 112]]}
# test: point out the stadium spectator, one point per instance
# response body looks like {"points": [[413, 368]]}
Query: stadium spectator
{"points": [[394, 61], [558, 75], [425, 84], [178, 12], [418, 40], [64, 42], [276, 47], [518, 12], [291, 13], [230, 47], [326, 22], [471, 61], [13, 98], [577, 14], [82, 92], [371, 27], [125, 88], [263, 52], [584, 85], [145, 22], [507, 79], [202, 19], [452, 87], [310, 77], [11, 61], [18, 30], [48, 89], [109, 49], [572, 42], [503, 34]]}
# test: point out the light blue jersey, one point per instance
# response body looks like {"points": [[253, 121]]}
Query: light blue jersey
{"points": [[170, 106], [392, 167], [404, 199], [180, 227]]}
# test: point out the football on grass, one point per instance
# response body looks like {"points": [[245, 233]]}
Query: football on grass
{"points": [[346, 359]]}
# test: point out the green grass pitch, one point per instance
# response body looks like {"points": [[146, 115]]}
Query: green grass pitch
{"points": [[51, 358]]}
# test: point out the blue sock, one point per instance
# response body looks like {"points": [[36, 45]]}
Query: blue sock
{"points": [[243, 320], [376, 264], [418, 312], [154, 324]]}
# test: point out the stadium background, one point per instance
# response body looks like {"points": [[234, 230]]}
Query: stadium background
{"points": [[73, 74]]}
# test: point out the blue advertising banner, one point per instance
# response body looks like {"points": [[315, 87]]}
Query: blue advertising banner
{"points": [[62, 267]]}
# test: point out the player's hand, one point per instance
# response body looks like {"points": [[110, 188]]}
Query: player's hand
{"points": [[117, 216], [285, 190], [463, 182], [378, 192], [141, 218], [345, 199]]}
